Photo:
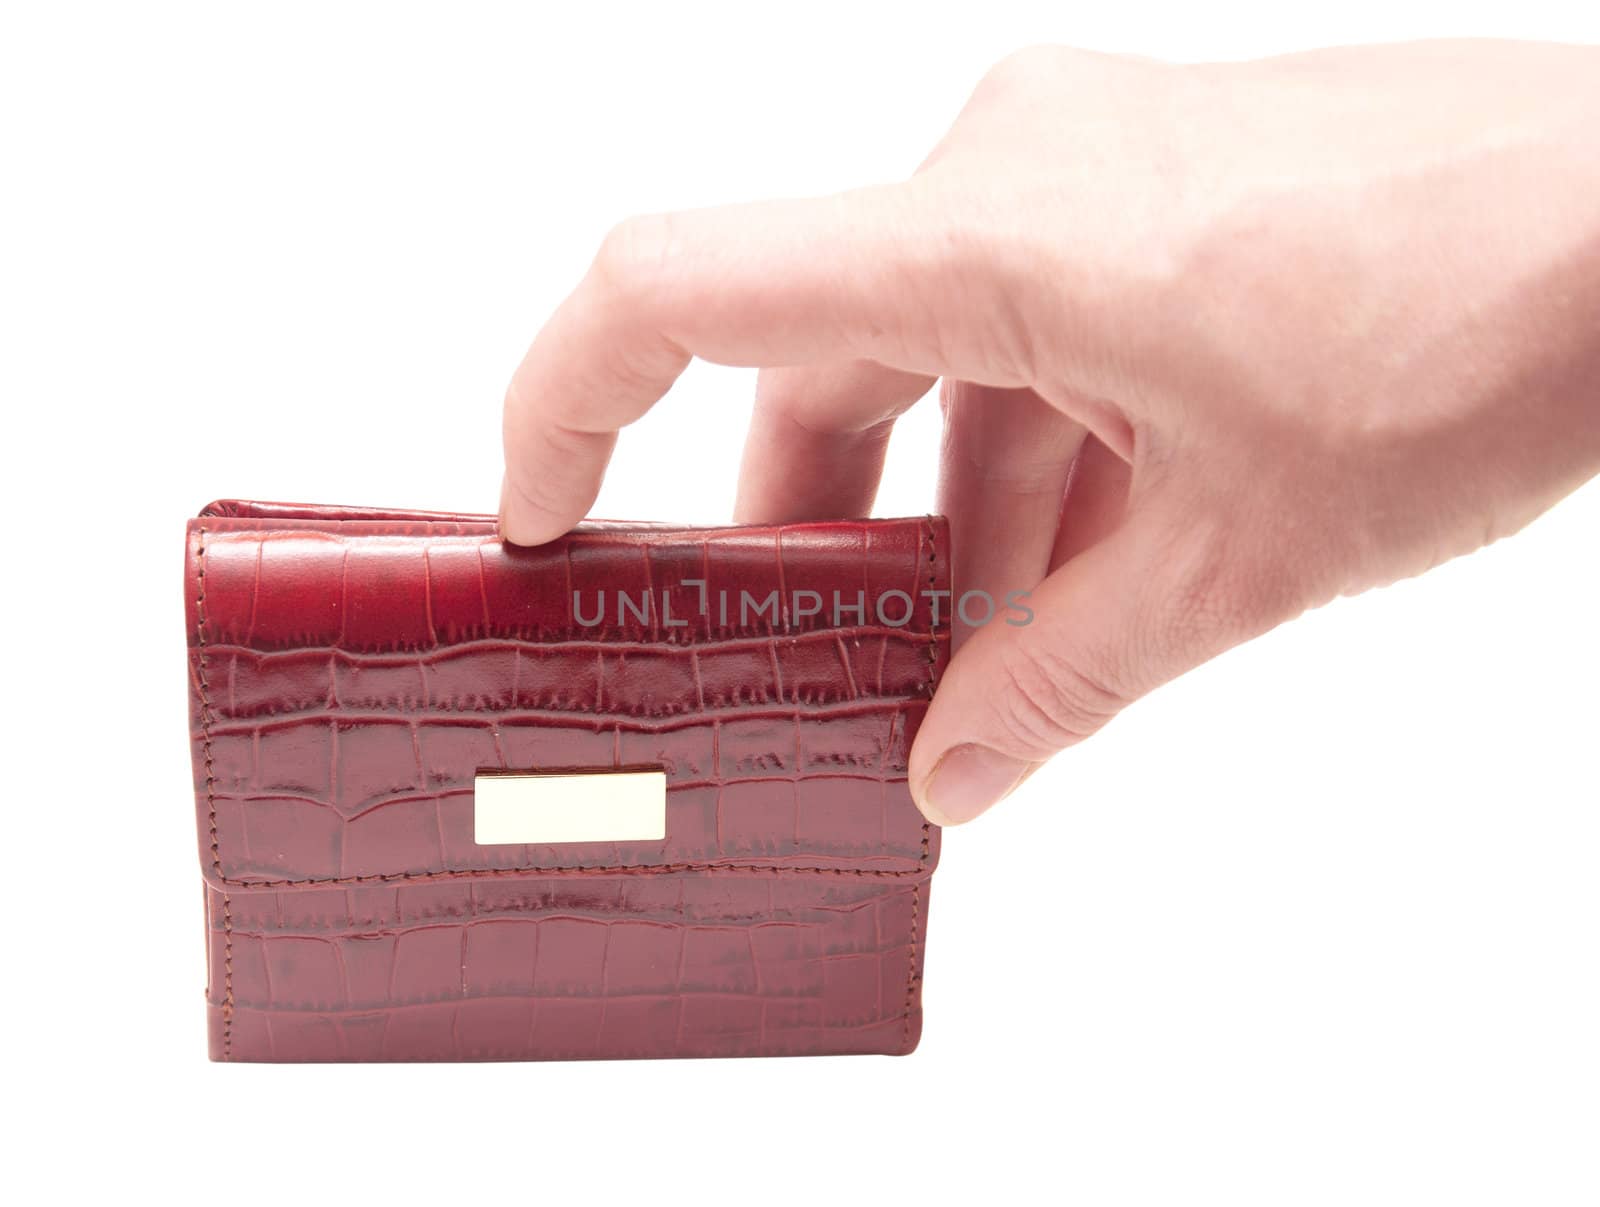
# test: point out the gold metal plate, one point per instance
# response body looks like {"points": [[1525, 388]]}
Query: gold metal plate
{"points": [[569, 806]]}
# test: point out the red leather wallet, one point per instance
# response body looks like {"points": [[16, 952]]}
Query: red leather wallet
{"points": [[638, 792]]}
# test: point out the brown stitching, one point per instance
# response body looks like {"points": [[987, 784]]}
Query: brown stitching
{"points": [[211, 793], [227, 978], [933, 645], [916, 889], [540, 873]]}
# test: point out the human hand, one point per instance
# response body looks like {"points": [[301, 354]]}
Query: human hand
{"points": [[1219, 343]]}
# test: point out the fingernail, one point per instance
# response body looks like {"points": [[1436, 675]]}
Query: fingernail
{"points": [[501, 526], [967, 780]]}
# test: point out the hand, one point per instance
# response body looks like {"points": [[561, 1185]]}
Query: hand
{"points": [[1218, 343]]}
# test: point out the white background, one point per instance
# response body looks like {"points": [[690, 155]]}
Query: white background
{"points": [[1317, 924]]}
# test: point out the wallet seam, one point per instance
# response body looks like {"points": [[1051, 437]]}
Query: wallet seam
{"points": [[211, 796], [538, 873], [916, 889]]}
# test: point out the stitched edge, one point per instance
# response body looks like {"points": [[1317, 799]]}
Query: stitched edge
{"points": [[211, 795], [916, 889], [227, 975], [543, 873]]}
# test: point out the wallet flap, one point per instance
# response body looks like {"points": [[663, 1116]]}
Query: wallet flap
{"points": [[353, 671]]}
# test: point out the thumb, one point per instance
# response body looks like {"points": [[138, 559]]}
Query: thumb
{"points": [[1161, 594]]}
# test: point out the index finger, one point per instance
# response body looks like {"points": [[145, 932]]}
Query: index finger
{"points": [[767, 284]]}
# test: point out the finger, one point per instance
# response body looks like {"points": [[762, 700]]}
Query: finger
{"points": [[1163, 593], [817, 439], [1004, 467], [776, 283], [1096, 499]]}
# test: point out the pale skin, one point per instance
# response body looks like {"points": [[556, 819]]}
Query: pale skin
{"points": [[1216, 344]]}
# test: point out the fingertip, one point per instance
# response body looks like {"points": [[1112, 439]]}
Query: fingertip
{"points": [[923, 761], [523, 522], [966, 781], [930, 812]]}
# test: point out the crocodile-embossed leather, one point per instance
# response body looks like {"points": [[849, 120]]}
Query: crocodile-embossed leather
{"points": [[351, 670]]}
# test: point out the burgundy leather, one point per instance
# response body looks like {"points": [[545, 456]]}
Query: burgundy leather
{"points": [[351, 670]]}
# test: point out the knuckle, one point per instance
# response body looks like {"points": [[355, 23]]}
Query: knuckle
{"points": [[1048, 701], [631, 370], [1226, 587], [634, 255], [787, 393], [1025, 66]]}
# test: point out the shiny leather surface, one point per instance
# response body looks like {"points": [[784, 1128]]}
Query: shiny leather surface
{"points": [[351, 670]]}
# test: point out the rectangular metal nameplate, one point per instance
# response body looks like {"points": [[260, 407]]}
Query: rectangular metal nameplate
{"points": [[569, 806]]}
